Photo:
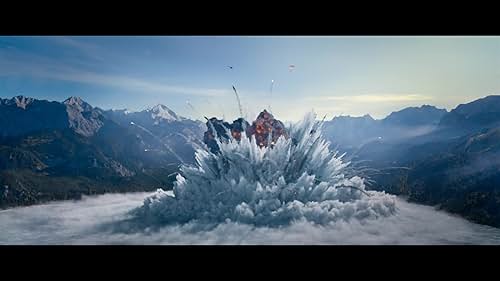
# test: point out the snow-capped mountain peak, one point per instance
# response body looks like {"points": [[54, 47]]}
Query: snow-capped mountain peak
{"points": [[161, 112]]}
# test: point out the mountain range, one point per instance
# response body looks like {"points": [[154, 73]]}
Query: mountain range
{"points": [[53, 150], [59, 150], [435, 157], [351, 133]]}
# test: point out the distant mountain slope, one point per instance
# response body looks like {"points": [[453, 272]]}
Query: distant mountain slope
{"points": [[415, 116], [465, 179], [481, 113], [164, 129], [350, 133], [62, 160]]}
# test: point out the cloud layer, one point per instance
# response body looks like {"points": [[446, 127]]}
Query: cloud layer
{"points": [[99, 220]]}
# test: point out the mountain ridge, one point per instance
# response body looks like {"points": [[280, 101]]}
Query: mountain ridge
{"points": [[79, 149]]}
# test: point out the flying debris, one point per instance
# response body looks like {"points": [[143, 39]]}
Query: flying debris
{"points": [[313, 131], [239, 102], [190, 105]]}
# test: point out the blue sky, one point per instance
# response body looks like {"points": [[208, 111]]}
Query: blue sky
{"points": [[333, 75]]}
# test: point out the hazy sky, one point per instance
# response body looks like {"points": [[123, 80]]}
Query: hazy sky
{"points": [[333, 75]]}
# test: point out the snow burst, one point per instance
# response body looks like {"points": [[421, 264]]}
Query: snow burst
{"points": [[297, 179]]}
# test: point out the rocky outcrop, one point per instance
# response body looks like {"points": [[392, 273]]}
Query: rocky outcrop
{"points": [[82, 117]]}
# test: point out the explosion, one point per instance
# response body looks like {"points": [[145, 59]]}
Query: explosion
{"points": [[265, 129], [265, 174]]}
